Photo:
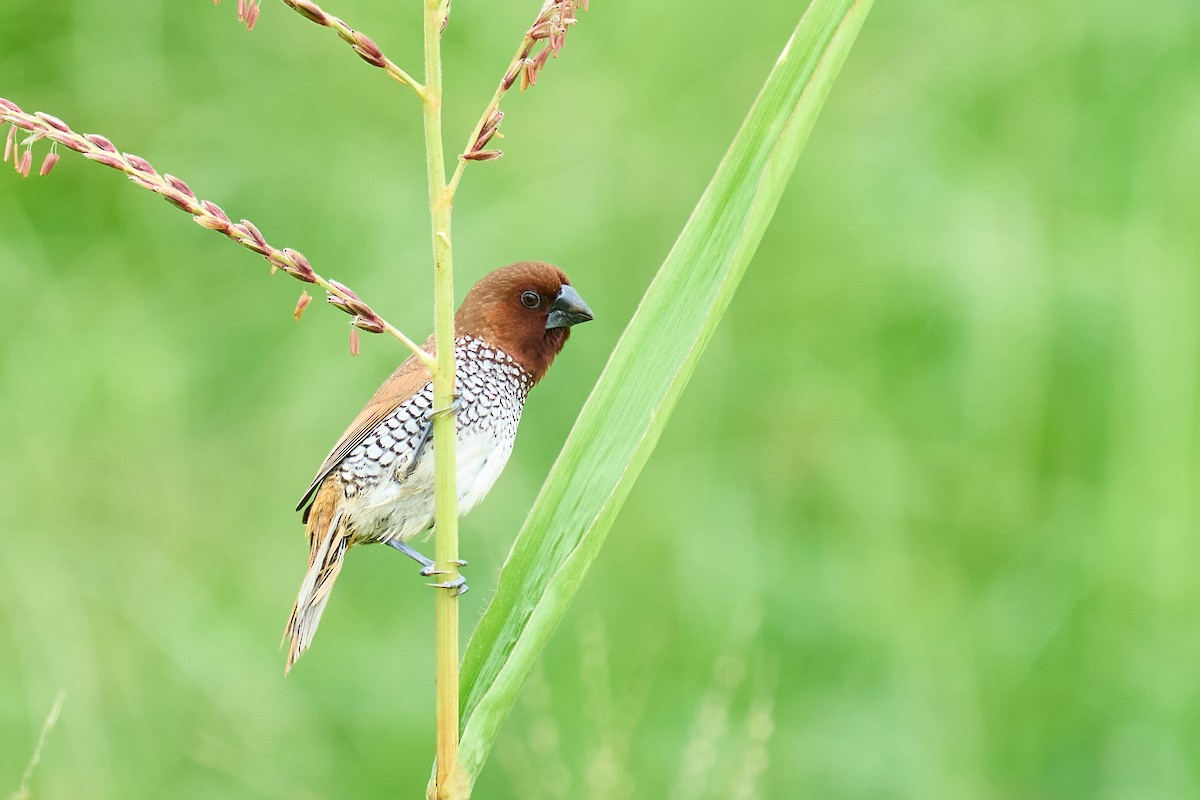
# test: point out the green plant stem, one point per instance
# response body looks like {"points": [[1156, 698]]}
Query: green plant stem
{"points": [[446, 500]]}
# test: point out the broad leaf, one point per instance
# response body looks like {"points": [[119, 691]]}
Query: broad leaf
{"points": [[626, 413]]}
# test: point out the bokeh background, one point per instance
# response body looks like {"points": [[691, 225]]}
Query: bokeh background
{"points": [[924, 525]]}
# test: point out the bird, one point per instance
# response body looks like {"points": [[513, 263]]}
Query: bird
{"points": [[377, 483]]}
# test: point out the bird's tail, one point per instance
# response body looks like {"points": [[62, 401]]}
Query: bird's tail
{"points": [[328, 539]]}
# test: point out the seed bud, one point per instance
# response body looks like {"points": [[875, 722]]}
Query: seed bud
{"points": [[102, 142]]}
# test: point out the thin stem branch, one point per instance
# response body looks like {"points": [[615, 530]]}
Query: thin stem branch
{"points": [[207, 214], [550, 26], [362, 44], [448, 783]]}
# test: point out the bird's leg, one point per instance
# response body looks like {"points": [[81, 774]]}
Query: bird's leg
{"points": [[427, 565], [428, 568], [427, 430]]}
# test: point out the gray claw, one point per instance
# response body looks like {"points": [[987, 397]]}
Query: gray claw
{"points": [[459, 584], [453, 409]]}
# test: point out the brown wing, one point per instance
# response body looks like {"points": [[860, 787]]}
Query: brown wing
{"points": [[406, 381]]}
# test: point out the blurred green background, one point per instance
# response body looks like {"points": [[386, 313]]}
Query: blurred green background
{"points": [[923, 526]]}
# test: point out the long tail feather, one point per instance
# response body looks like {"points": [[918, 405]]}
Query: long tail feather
{"points": [[328, 540]]}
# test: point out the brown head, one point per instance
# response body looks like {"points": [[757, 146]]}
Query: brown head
{"points": [[526, 309]]}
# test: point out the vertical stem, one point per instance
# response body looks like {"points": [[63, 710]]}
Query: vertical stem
{"points": [[445, 785]]}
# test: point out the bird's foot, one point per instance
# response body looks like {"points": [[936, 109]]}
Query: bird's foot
{"points": [[450, 410], [431, 569], [458, 585]]}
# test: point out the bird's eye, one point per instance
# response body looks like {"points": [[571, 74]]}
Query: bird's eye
{"points": [[530, 299]]}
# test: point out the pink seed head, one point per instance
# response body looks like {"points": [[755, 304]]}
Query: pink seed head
{"points": [[101, 142], [352, 306], [106, 159], [297, 258], [139, 163], [309, 11], [370, 324], [212, 223], [371, 58], [145, 183], [178, 200], [53, 122], [482, 155], [488, 130], [71, 140], [180, 186], [344, 289], [28, 123], [254, 234], [244, 236], [214, 210], [301, 270], [366, 46]]}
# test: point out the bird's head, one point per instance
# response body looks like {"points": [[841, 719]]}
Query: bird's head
{"points": [[526, 309]]}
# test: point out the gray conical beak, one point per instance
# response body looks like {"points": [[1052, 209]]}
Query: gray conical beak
{"points": [[568, 309]]}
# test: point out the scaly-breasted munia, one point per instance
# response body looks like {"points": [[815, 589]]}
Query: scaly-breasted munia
{"points": [[377, 483]]}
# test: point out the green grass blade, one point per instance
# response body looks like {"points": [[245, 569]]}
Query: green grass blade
{"points": [[623, 418]]}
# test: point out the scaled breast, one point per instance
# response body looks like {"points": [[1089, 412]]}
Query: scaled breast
{"points": [[492, 388]]}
